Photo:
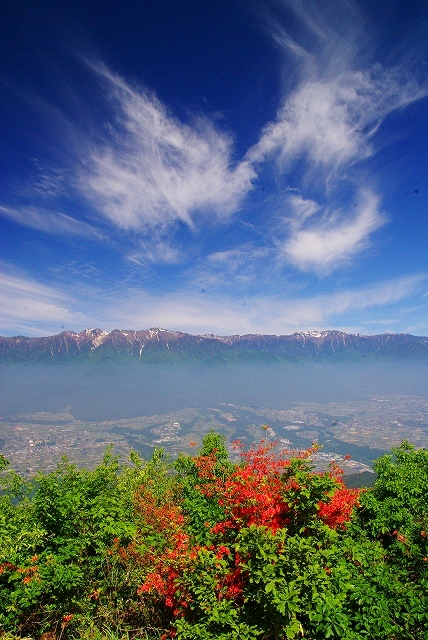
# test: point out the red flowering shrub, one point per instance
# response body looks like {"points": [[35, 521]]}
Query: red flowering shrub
{"points": [[207, 549], [338, 510], [262, 499]]}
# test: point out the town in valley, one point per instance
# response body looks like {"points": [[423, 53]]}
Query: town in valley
{"points": [[361, 430]]}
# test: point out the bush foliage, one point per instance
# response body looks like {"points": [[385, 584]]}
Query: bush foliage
{"points": [[206, 548]]}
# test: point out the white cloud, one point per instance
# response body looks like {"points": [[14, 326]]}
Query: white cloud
{"points": [[332, 239], [325, 127], [244, 267], [378, 295], [157, 251], [339, 97], [48, 221], [49, 181], [155, 171], [224, 315], [330, 121], [150, 172], [35, 308], [238, 257], [302, 209]]}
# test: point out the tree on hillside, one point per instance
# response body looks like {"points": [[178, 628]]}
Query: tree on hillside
{"points": [[206, 548]]}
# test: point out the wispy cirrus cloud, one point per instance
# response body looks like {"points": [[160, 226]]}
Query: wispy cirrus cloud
{"points": [[33, 308], [146, 172], [326, 125], [321, 240], [154, 171], [340, 96], [155, 251], [245, 268], [330, 121], [49, 221], [227, 314], [47, 182]]}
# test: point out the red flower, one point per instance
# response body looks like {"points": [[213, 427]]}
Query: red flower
{"points": [[338, 510]]}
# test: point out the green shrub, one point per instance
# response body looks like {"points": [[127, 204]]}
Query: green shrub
{"points": [[205, 548]]}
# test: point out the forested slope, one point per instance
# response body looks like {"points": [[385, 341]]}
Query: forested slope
{"points": [[206, 548]]}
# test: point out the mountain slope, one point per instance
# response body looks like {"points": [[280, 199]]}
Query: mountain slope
{"points": [[161, 345]]}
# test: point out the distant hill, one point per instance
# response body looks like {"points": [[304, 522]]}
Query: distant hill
{"points": [[358, 480], [161, 345]]}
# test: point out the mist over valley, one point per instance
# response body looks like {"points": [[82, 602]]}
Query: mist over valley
{"points": [[108, 391], [356, 408]]}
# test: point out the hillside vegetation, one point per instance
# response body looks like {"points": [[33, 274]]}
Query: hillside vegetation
{"points": [[209, 548], [164, 346]]}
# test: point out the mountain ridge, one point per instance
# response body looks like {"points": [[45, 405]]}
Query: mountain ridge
{"points": [[164, 345]]}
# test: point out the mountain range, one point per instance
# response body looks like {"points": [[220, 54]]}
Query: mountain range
{"points": [[162, 345]]}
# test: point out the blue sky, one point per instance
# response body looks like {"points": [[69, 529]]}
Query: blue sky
{"points": [[214, 166]]}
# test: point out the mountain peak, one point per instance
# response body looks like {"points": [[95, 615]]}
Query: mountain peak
{"points": [[162, 345]]}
